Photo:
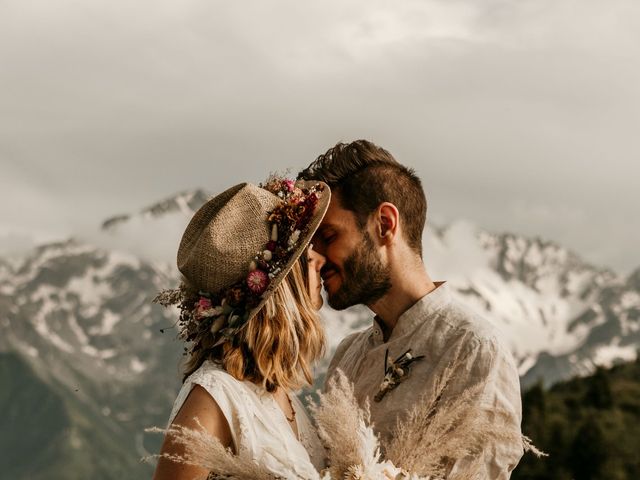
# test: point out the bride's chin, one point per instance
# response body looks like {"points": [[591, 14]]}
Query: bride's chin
{"points": [[317, 301]]}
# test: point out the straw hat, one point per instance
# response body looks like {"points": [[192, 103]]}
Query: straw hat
{"points": [[239, 246]]}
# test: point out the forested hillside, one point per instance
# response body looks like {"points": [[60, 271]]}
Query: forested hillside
{"points": [[590, 427]]}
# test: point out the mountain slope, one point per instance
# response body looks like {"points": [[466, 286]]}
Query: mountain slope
{"points": [[54, 436]]}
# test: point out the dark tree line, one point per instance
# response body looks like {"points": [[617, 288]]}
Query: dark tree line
{"points": [[590, 427]]}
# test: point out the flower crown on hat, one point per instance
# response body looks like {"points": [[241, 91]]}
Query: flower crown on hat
{"points": [[222, 314]]}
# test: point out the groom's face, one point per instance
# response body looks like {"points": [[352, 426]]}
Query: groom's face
{"points": [[353, 272]]}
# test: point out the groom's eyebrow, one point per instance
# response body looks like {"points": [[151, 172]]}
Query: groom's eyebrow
{"points": [[324, 227]]}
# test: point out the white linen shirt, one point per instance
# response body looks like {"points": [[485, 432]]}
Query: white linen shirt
{"points": [[444, 332]]}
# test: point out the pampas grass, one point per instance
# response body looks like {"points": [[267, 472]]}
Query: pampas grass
{"points": [[439, 430], [345, 430], [206, 451]]}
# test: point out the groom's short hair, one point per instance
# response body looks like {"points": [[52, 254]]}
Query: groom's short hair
{"points": [[364, 175]]}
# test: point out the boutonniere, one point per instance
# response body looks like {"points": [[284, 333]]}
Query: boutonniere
{"points": [[395, 372]]}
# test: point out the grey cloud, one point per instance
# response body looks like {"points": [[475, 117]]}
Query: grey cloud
{"points": [[109, 106]]}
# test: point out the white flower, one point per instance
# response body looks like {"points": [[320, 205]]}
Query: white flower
{"points": [[211, 312], [294, 237]]}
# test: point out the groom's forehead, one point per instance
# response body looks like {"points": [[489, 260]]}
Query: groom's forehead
{"points": [[338, 216], [343, 221]]}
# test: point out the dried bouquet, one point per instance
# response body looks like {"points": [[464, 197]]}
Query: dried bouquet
{"points": [[423, 446]]}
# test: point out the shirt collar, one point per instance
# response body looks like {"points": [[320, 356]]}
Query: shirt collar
{"points": [[417, 313]]}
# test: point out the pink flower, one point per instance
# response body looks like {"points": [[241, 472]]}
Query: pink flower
{"points": [[202, 307], [312, 199], [204, 303], [257, 281], [289, 185]]}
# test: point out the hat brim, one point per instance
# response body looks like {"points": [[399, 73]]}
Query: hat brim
{"points": [[303, 242]]}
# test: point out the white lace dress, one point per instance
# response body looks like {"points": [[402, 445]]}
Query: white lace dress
{"points": [[259, 429]]}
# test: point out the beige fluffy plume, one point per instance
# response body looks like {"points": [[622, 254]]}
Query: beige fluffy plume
{"points": [[425, 446], [205, 450]]}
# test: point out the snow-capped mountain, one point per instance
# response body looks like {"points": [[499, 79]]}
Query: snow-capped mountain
{"points": [[185, 203], [79, 316], [560, 315]]}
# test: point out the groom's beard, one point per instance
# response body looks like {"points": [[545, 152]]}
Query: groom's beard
{"points": [[364, 278]]}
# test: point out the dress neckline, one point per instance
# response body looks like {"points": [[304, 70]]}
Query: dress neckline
{"points": [[267, 399]]}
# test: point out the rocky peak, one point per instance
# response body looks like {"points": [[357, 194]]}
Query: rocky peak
{"points": [[184, 202]]}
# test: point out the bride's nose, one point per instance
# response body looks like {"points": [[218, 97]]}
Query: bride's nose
{"points": [[317, 259]]}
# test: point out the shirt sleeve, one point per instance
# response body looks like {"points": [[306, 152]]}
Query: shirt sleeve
{"points": [[490, 372]]}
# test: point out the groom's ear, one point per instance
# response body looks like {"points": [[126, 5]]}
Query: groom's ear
{"points": [[387, 221]]}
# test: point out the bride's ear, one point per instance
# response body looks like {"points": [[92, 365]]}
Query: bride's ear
{"points": [[387, 220]]}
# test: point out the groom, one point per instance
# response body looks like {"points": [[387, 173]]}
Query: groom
{"points": [[371, 237]]}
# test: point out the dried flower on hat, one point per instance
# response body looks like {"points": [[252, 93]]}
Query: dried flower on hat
{"points": [[257, 281]]}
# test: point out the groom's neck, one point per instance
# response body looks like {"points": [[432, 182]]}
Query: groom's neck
{"points": [[407, 287]]}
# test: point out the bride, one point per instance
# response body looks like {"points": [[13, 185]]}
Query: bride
{"points": [[248, 312]]}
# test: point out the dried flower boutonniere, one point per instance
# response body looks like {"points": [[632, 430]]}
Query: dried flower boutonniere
{"points": [[395, 372]]}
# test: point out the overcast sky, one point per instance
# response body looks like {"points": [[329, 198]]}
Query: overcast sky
{"points": [[519, 115]]}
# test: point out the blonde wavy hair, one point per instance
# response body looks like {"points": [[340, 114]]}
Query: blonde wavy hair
{"points": [[277, 347]]}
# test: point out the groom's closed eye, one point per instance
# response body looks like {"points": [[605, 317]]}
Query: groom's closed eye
{"points": [[327, 235], [327, 239]]}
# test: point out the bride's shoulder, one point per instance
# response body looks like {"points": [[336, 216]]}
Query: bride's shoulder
{"points": [[228, 392]]}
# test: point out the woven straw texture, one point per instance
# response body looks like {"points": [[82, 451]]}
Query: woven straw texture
{"points": [[224, 235], [228, 231]]}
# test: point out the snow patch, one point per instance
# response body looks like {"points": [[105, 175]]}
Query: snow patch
{"points": [[39, 320], [109, 320], [526, 364], [90, 350], [88, 291], [26, 348], [607, 356], [77, 330], [137, 366]]}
